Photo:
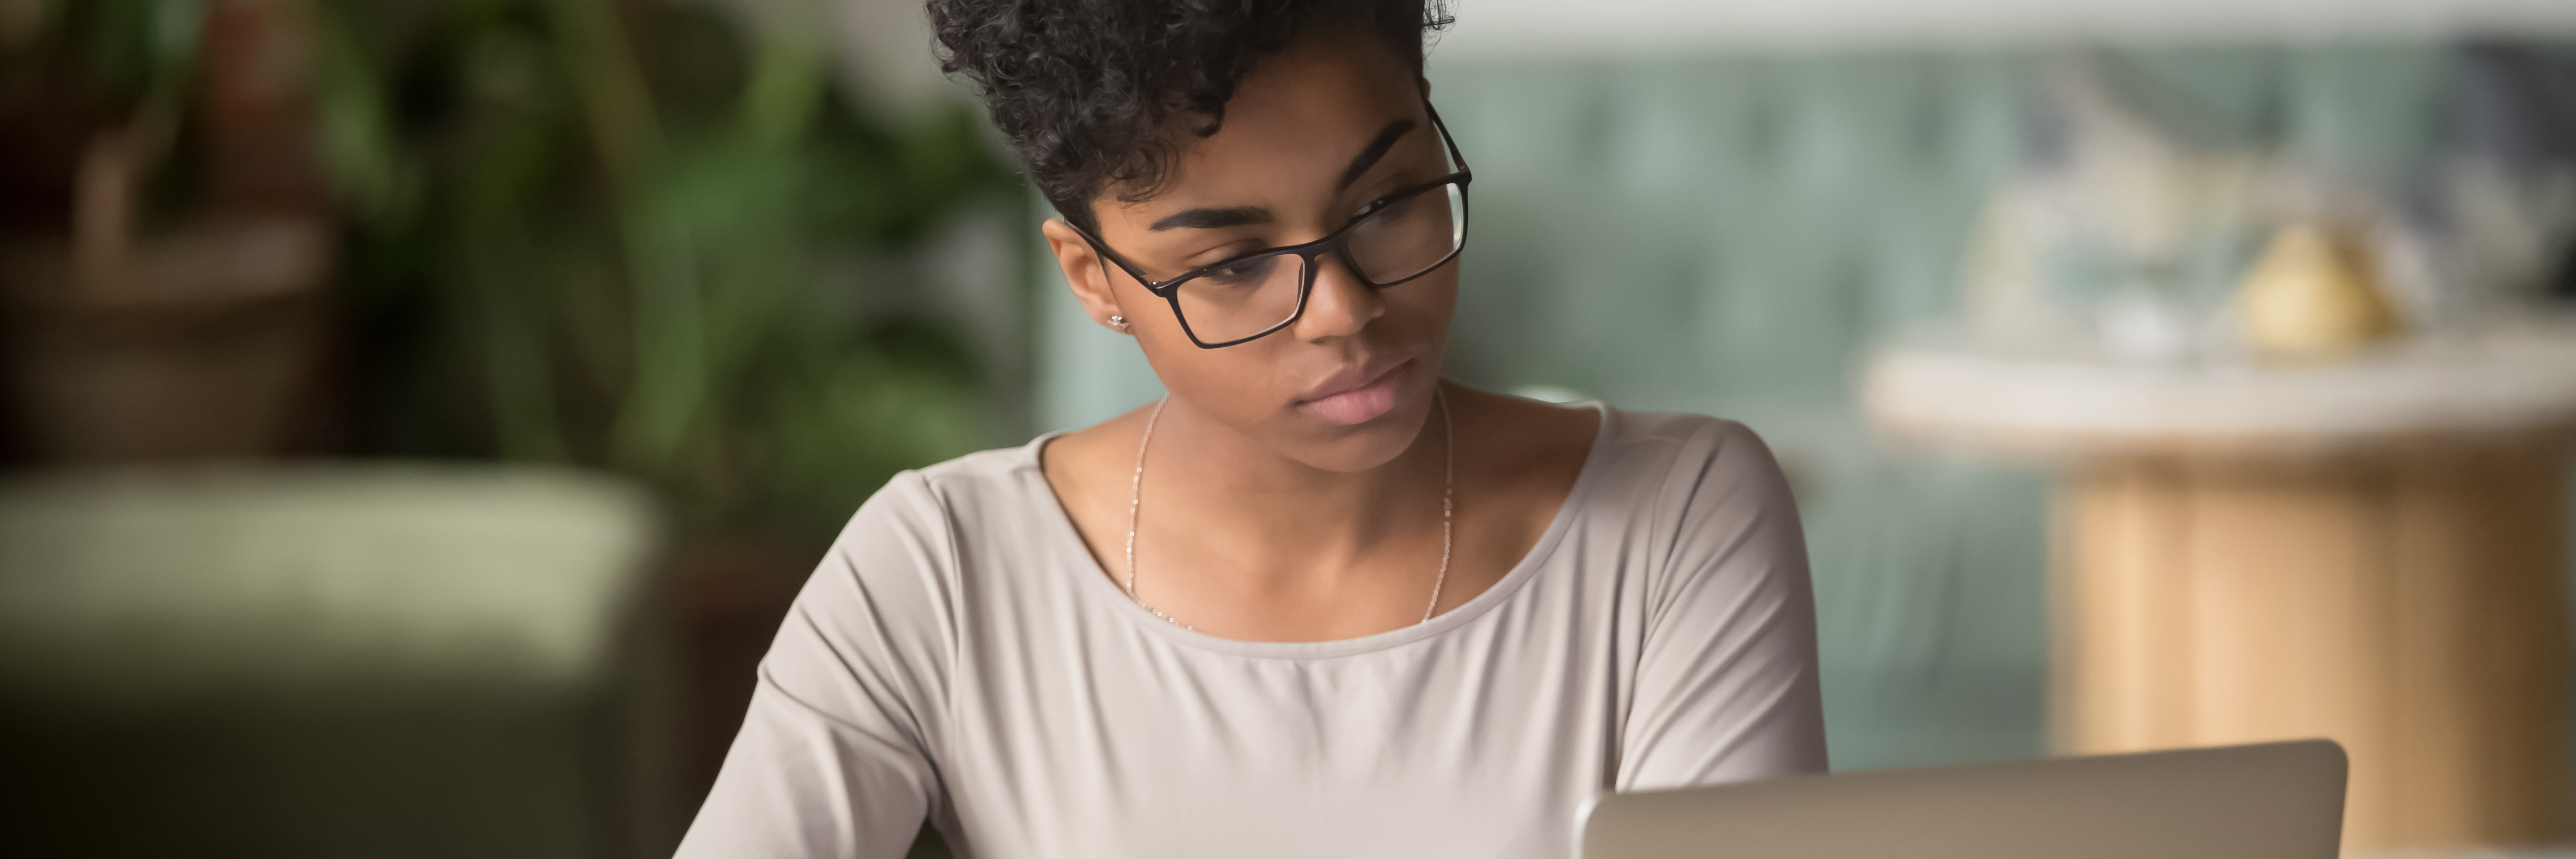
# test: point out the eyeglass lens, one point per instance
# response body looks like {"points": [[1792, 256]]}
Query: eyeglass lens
{"points": [[1397, 242]]}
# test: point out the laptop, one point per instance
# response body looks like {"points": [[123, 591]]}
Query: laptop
{"points": [[2268, 801]]}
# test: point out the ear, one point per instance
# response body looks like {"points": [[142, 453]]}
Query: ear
{"points": [[1084, 271]]}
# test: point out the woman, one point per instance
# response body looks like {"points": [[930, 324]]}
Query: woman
{"points": [[1318, 601]]}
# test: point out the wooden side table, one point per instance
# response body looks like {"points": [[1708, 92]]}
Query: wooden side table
{"points": [[2370, 551]]}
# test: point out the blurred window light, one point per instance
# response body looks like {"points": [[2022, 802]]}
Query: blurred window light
{"points": [[1524, 26]]}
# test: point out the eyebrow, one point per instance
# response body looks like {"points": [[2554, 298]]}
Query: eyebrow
{"points": [[1212, 219], [1386, 138], [1216, 219]]}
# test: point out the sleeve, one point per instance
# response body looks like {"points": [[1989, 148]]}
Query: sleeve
{"points": [[833, 757], [1726, 686]]}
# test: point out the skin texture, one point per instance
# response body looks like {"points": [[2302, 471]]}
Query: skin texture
{"points": [[1263, 519]]}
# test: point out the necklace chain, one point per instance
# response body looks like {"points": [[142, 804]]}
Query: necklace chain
{"points": [[1448, 487]]}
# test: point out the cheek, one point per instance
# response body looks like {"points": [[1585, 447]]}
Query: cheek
{"points": [[1434, 300], [1418, 312], [1238, 384]]}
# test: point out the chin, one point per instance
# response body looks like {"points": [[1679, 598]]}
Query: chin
{"points": [[1363, 446]]}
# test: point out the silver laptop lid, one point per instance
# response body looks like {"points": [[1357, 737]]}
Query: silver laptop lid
{"points": [[2269, 801]]}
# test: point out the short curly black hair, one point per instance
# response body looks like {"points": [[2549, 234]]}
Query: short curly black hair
{"points": [[1085, 89]]}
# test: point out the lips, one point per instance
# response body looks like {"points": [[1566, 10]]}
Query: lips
{"points": [[1360, 400]]}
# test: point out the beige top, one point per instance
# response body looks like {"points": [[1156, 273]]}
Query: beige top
{"points": [[960, 655]]}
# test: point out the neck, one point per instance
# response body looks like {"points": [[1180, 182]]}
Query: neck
{"points": [[1277, 516]]}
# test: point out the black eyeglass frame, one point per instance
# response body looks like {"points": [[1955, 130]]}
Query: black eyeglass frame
{"points": [[1337, 242]]}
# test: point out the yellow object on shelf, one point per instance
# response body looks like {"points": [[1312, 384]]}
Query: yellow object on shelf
{"points": [[2312, 296]]}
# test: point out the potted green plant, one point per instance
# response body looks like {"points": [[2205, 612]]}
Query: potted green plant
{"points": [[174, 307]]}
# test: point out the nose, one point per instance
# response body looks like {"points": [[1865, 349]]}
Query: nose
{"points": [[1338, 305]]}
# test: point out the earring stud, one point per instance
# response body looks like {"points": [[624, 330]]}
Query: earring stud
{"points": [[1118, 322]]}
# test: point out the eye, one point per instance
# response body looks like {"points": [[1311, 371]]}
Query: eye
{"points": [[1240, 272], [1384, 211], [1222, 253], [1382, 208]]}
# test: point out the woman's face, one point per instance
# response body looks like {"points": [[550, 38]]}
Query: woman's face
{"points": [[1315, 133]]}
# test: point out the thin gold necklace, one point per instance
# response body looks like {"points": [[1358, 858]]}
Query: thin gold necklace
{"points": [[1448, 486]]}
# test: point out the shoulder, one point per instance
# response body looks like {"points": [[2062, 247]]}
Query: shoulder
{"points": [[969, 480], [1691, 453], [1679, 434], [1704, 487], [905, 541], [889, 597]]}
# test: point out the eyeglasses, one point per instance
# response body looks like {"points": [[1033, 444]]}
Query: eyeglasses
{"points": [[1401, 236]]}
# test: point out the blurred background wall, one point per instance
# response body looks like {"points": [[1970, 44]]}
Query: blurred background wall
{"points": [[420, 411]]}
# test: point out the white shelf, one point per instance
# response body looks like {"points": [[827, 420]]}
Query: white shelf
{"points": [[2501, 380]]}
